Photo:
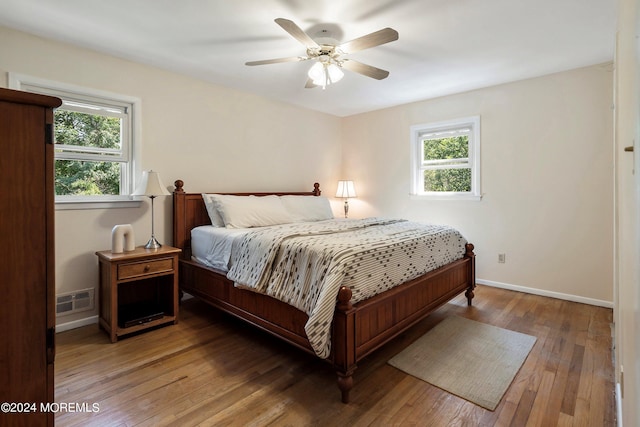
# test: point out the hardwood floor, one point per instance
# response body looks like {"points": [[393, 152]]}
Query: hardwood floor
{"points": [[211, 369]]}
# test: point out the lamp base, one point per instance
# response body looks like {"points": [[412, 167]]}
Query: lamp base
{"points": [[152, 244]]}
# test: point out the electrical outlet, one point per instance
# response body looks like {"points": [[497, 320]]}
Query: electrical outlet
{"points": [[501, 258]]}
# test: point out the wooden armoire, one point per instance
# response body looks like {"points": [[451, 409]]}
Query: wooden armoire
{"points": [[27, 277]]}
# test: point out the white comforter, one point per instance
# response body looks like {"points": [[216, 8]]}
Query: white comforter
{"points": [[304, 264]]}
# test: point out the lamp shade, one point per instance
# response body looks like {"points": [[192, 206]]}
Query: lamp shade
{"points": [[316, 73], [151, 185], [324, 73], [346, 189], [335, 73]]}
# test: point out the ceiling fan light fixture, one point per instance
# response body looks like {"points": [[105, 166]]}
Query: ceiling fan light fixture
{"points": [[335, 73], [316, 72], [323, 74]]}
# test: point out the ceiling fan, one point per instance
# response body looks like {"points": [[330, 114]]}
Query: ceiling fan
{"points": [[328, 55]]}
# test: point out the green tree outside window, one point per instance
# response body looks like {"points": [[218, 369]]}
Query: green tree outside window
{"points": [[443, 154], [82, 177]]}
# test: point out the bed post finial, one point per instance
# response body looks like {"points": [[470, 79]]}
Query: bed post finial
{"points": [[344, 299], [469, 249], [316, 189], [179, 184]]}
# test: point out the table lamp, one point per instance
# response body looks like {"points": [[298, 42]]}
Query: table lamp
{"points": [[346, 190], [152, 187]]}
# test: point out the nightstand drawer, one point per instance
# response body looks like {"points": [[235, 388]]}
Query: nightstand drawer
{"points": [[137, 269]]}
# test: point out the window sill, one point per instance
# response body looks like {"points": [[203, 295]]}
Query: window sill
{"points": [[471, 197], [63, 205]]}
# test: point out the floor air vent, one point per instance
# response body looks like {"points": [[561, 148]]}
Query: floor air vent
{"points": [[74, 302]]}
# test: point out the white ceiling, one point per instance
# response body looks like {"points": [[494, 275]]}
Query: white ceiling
{"points": [[445, 46]]}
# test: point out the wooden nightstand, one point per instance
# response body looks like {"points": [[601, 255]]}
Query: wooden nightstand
{"points": [[138, 289]]}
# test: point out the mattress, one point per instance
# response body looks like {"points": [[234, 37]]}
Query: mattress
{"points": [[212, 246]]}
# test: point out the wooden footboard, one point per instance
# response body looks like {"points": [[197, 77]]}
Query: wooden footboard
{"points": [[358, 329], [362, 328]]}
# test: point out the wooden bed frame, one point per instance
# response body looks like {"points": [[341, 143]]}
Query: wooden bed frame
{"points": [[358, 329]]}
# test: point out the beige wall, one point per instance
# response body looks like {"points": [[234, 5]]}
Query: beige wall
{"points": [[547, 178], [211, 137]]}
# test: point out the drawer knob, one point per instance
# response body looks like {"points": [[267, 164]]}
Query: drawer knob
{"points": [[147, 268]]}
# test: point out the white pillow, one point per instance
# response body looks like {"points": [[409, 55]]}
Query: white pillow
{"points": [[307, 208], [214, 215], [250, 211]]}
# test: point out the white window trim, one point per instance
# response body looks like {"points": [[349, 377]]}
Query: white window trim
{"points": [[44, 86], [474, 158]]}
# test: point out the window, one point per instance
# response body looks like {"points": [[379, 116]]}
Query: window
{"points": [[94, 144], [446, 159]]}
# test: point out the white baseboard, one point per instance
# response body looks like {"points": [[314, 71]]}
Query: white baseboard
{"points": [[619, 404], [541, 292], [61, 327]]}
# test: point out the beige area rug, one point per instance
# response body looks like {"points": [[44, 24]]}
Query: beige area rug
{"points": [[470, 359]]}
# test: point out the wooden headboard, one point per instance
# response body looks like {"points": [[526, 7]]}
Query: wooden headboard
{"points": [[189, 212]]}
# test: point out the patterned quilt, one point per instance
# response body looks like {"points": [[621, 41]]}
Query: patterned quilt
{"points": [[305, 264]]}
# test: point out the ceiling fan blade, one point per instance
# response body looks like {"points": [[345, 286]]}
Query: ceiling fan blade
{"points": [[277, 60], [364, 69], [291, 28], [383, 36]]}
